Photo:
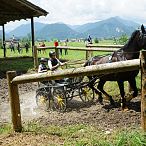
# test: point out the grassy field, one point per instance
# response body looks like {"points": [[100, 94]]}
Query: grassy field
{"points": [[71, 54]]}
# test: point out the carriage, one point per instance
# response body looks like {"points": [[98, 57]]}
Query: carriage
{"points": [[54, 95]]}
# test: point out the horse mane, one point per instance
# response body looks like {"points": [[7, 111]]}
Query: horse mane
{"points": [[130, 40]]}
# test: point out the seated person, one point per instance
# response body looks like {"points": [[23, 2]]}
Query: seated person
{"points": [[42, 67], [53, 62]]}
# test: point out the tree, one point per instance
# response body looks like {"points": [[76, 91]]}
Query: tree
{"points": [[123, 39], [96, 40]]}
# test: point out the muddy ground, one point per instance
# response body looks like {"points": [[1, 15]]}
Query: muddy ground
{"points": [[77, 111], [103, 116]]}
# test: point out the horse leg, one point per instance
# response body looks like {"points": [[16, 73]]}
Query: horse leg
{"points": [[122, 93], [91, 85], [132, 83], [100, 87]]}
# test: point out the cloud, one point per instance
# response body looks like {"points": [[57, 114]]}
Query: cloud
{"points": [[84, 11]]}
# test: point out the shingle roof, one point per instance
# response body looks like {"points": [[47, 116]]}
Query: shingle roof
{"points": [[11, 10]]}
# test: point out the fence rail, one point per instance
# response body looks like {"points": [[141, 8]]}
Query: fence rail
{"points": [[88, 49]]}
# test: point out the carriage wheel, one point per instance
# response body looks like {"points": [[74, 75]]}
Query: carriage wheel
{"points": [[43, 101], [59, 100], [86, 94]]}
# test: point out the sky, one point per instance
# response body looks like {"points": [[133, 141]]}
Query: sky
{"points": [[77, 12]]}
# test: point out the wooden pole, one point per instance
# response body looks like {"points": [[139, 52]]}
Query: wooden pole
{"points": [[35, 57], [32, 33], [14, 102], [143, 90], [87, 55], [4, 45]]}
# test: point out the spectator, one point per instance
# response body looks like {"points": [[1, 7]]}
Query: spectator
{"points": [[61, 48], [89, 40], [12, 46], [43, 49], [26, 47], [66, 43], [39, 50], [18, 48], [56, 43]]}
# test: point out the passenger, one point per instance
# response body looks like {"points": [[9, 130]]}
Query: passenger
{"points": [[42, 67]]}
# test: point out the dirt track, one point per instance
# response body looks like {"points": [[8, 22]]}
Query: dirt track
{"points": [[77, 112]]}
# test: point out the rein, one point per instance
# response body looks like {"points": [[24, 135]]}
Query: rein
{"points": [[136, 52], [124, 52]]}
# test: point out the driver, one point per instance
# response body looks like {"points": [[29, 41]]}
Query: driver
{"points": [[53, 62]]}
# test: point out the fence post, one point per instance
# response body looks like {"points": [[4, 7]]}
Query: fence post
{"points": [[14, 102], [87, 55], [57, 52], [143, 90], [35, 57]]}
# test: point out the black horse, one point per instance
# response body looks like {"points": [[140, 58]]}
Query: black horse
{"points": [[130, 50]]}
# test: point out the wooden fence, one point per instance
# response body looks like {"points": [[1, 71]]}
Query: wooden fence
{"points": [[143, 90], [129, 65], [88, 49]]}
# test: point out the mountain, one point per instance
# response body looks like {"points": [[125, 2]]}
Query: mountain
{"points": [[1, 33], [56, 30], [25, 29], [114, 26]]}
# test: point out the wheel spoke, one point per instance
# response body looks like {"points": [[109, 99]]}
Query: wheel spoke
{"points": [[86, 94], [59, 100]]}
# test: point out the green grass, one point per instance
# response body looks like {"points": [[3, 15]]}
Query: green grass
{"points": [[19, 64], [85, 135], [5, 129], [71, 54]]}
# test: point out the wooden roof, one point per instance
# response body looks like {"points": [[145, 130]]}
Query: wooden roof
{"points": [[11, 10]]}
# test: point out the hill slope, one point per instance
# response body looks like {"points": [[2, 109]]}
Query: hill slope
{"points": [[25, 29], [114, 26], [56, 30]]}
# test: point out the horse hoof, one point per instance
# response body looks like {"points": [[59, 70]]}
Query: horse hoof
{"points": [[112, 102], [125, 109]]}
